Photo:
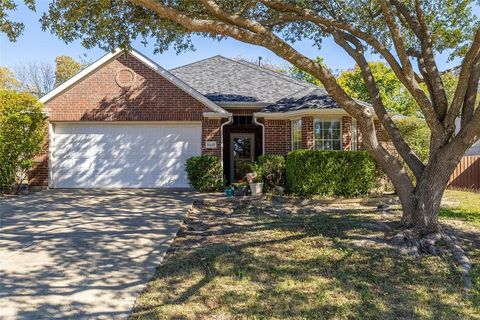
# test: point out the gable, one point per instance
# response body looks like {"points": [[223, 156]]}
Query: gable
{"points": [[127, 86]]}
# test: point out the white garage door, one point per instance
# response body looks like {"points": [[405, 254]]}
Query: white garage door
{"points": [[122, 155]]}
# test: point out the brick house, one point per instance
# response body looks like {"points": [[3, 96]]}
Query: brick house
{"points": [[127, 122]]}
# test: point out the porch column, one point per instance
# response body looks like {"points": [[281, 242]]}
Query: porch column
{"points": [[307, 133]]}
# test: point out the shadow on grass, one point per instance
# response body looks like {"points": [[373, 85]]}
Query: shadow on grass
{"points": [[302, 266]]}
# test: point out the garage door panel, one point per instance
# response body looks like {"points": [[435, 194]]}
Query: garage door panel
{"points": [[115, 156]]}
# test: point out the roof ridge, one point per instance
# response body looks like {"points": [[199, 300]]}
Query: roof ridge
{"points": [[253, 66], [277, 74]]}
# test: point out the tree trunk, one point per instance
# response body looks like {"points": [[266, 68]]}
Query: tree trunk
{"points": [[421, 209]]}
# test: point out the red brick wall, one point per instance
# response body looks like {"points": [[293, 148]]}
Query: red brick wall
{"points": [[278, 139], [307, 133], [38, 175], [347, 133], [99, 96], [211, 131]]}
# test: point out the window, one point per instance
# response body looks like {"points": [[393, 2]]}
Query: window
{"points": [[296, 134], [242, 120], [328, 134], [354, 135]]}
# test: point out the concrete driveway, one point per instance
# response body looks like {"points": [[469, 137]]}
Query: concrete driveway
{"points": [[83, 254]]}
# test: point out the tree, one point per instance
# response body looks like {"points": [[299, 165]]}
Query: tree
{"points": [[305, 76], [417, 134], [401, 32], [36, 78], [7, 79], [22, 130], [65, 68], [394, 95], [396, 98]]}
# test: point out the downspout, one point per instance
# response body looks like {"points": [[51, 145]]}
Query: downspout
{"points": [[230, 120], [263, 132]]}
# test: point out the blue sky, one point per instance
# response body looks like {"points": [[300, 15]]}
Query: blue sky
{"points": [[36, 45]]}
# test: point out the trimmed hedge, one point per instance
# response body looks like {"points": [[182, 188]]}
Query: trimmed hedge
{"points": [[330, 173], [273, 170], [205, 173]]}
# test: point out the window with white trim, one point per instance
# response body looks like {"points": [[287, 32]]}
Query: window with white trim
{"points": [[296, 134], [327, 134], [354, 135]]}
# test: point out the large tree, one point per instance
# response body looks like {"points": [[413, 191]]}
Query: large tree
{"points": [[65, 68], [407, 34], [395, 96]]}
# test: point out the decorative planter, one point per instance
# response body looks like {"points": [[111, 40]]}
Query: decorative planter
{"points": [[256, 188], [229, 192]]}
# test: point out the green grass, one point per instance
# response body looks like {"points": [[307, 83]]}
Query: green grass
{"points": [[299, 263], [467, 207]]}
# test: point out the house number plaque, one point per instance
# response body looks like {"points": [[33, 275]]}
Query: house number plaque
{"points": [[211, 144]]}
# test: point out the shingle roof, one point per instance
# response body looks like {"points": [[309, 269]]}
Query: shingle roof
{"points": [[316, 98], [222, 79]]}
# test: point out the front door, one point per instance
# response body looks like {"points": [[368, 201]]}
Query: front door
{"points": [[242, 154]]}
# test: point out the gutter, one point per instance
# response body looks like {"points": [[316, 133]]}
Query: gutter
{"points": [[230, 121], [255, 120]]}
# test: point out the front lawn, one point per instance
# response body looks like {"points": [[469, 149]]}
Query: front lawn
{"points": [[266, 260], [462, 205]]}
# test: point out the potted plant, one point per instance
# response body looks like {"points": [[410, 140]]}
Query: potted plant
{"points": [[255, 181]]}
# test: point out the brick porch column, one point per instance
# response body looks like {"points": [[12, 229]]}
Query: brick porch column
{"points": [[307, 133]]}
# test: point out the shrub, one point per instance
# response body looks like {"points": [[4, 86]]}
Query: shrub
{"points": [[22, 132], [417, 134], [330, 173], [205, 173], [273, 170]]}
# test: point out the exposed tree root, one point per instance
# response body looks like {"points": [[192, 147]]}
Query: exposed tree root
{"points": [[412, 243]]}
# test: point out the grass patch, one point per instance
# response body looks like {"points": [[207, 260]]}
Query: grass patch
{"points": [[462, 205], [267, 261]]}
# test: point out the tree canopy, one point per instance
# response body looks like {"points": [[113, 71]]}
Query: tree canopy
{"points": [[395, 96], [22, 130], [65, 68]]}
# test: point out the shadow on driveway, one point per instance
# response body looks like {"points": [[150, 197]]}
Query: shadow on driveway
{"points": [[83, 253]]}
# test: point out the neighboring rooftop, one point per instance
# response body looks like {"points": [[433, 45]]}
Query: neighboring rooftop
{"points": [[224, 80]]}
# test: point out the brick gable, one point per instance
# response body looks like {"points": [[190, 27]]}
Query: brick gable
{"points": [[124, 89]]}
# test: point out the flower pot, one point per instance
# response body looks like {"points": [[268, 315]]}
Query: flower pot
{"points": [[256, 188]]}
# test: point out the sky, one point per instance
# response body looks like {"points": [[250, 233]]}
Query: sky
{"points": [[37, 45]]}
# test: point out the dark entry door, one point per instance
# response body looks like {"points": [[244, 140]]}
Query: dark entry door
{"points": [[242, 154]]}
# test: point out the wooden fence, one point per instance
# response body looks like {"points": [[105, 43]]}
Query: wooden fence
{"points": [[467, 174]]}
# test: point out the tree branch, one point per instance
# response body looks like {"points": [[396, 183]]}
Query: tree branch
{"points": [[431, 74], [471, 94], [430, 115], [463, 80], [234, 19], [410, 82], [407, 154]]}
